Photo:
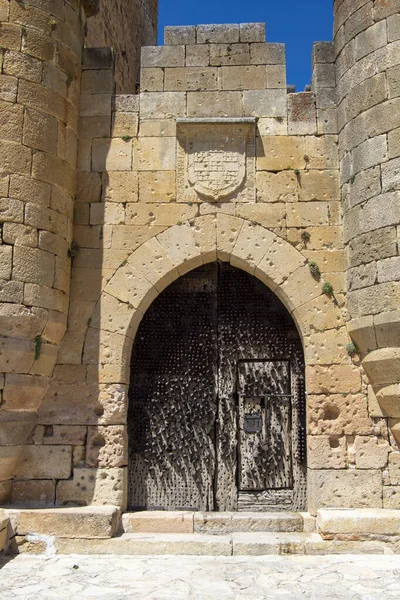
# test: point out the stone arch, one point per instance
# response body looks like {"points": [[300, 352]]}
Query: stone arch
{"points": [[181, 248]]}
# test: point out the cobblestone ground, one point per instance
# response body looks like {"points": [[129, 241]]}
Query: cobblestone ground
{"points": [[200, 578]]}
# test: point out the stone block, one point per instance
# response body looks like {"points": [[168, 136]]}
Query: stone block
{"points": [[119, 186], [112, 155], [385, 8], [157, 186], [107, 446], [323, 76], [374, 245], [10, 36], [94, 487], [197, 55], [327, 347], [333, 379], [338, 414], [95, 105], [93, 522], [371, 452], [227, 54], [178, 35], [23, 392], [92, 127], [21, 65], [218, 34], [180, 245], [389, 270], [298, 289], [302, 114], [370, 40], [61, 435], [155, 154], [344, 489], [251, 245], [159, 214], [391, 497], [163, 56], [361, 521], [394, 143], [277, 153], [323, 52], [326, 121], [267, 54], [265, 103], [276, 187], [16, 356], [33, 494], [191, 79], [224, 104], [33, 265], [97, 81], [11, 120], [383, 366], [98, 58], [252, 32], [9, 457], [324, 452], [162, 105], [387, 326], [228, 229], [278, 263], [319, 185], [44, 462], [249, 77], [266, 214], [151, 80], [393, 81], [307, 214], [125, 103], [15, 158], [158, 522], [393, 28]]}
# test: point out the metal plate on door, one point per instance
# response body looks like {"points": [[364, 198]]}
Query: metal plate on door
{"points": [[252, 423]]}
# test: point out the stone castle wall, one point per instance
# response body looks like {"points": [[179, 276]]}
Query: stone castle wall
{"points": [[40, 57], [140, 223], [367, 51], [125, 27]]}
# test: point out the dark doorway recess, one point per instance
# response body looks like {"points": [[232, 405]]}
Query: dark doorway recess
{"points": [[217, 405]]}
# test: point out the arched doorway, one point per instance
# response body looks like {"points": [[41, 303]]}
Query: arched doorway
{"points": [[217, 404]]}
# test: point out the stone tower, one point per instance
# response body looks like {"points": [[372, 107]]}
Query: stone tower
{"points": [[41, 51], [367, 55]]}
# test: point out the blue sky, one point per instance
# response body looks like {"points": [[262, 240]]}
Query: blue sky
{"points": [[297, 23]]}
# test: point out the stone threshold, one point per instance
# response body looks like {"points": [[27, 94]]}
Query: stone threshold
{"points": [[101, 530]]}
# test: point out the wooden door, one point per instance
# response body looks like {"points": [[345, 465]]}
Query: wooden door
{"points": [[264, 413], [216, 355]]}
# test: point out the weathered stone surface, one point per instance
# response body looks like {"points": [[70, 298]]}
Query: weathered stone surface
{"points": [[324, 452], [344, 489], [333, 379], [94, 522], [338, 414], [40, 462], [33, 494], [371, 452], [158, 522], [94, 487], [362, 521], [107, 446]]}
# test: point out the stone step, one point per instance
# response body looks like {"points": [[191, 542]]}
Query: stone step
{"points": [[215, 523], [77, 522], [335, 523], [4, 520], [235, 544]]}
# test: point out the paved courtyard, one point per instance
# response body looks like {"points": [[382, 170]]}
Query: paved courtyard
{"points": [[200, 578]]}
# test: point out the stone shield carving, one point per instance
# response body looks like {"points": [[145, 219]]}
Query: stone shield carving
{"points": [[216, 160], [216, 167]]}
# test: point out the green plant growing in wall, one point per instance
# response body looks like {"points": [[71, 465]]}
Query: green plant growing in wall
{"points": [[73, 250], [53, 24], [327, 288], [314, 269], [69, 79], [126, 138], [352, 349], [38, 346], [306, 237]]}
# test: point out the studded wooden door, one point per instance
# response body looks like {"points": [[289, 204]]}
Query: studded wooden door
{"points": [[212, 340]]}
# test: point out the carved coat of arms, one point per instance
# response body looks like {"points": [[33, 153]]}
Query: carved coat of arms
{"points": [[216, 167]]}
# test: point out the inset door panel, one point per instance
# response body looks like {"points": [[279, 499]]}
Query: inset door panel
{"points": [[264, 407]]}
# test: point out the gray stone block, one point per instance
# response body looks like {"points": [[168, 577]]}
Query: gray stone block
{"points": [[98, 58], [267, 54], [176, 36], [218, 34], [163, 56], [323, 52], [252, 32], [370, 40]]}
